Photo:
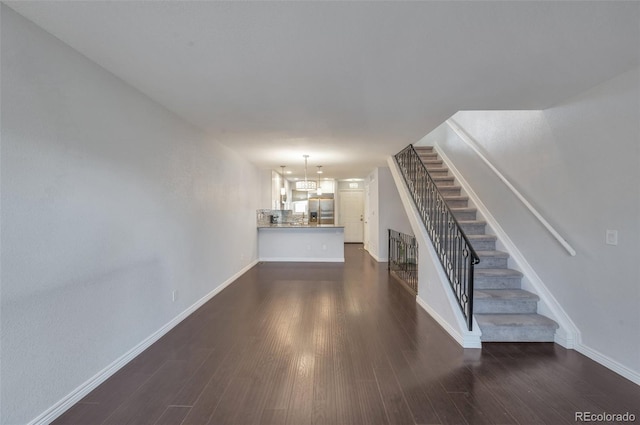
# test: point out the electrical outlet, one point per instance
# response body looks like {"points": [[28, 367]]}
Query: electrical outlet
{"points": [[612, 237], [324, 247], [174, 295]]}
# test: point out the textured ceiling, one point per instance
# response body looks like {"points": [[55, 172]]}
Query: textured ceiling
{"points": [[348, 83]]}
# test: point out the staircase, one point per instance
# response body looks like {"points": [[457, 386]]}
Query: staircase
{"points": [[503, 310]]}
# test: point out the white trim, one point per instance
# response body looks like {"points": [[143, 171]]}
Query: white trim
{"points": [[466, 340], [302, 260], [469, 142], [566, 339], [568, 332], [92, 383], [609, 363], [375, 257]]}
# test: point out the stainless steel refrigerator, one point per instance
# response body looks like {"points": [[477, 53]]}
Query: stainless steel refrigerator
{"points": [[323, 206]]}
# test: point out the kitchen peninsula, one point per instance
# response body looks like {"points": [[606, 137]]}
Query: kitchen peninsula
{"points": [[299, 241]]}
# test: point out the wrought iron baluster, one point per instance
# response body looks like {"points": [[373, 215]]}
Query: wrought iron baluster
{"points": [[403, 254], [454, 251]]}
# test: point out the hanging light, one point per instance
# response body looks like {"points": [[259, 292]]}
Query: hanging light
{"points": [[306, 185], [283, 190], [319, 172]]}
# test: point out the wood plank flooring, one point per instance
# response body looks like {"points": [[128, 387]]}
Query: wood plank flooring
{"points": [[344, 344]]}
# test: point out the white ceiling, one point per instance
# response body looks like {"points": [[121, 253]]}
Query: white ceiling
{"points": [[348, 83]]}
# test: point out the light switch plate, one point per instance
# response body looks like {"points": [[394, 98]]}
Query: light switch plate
{"points": [[612, 237]]}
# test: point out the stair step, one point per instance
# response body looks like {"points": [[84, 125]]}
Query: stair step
{"points": [[492, 260], [456, 201], [438, 171], [443, 180], [428, 154], [472, 227], [423, 148], [496, 279], [450, 190], [516, 327], [437, 163], [464, 213], [483, 242], [511, 301]]}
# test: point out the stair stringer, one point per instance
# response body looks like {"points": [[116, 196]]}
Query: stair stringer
{"points": [[567, 334], [434, 291]]}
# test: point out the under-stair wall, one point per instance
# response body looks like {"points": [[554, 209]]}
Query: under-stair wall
{"points": [[578, 163], [384, 211], [434, 291]]}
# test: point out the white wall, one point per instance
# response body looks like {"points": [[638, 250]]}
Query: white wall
{"points": [[578, 163], [109, 203], [371, 221], [385, 212], [266, 189]]}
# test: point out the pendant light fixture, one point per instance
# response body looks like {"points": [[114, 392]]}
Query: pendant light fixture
{"points": [[319, 187], [283, 190], [306, 185]]}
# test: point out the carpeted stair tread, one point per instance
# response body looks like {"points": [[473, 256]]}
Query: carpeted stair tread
{"points": [[504, 301], [483, 237], [443, 179], [504, 294], [448, 198], [512, 320], [497, 273], [463, 209], [516, 328], [431, 162], [494, 253]]}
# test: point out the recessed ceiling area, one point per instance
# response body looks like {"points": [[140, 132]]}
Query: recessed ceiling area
{"points": [[348, 83]]}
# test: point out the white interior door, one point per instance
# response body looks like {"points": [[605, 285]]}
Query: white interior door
{"points": [[352, 215]]}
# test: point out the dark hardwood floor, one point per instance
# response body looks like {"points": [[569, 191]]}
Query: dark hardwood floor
{"points": [[327, 343]]}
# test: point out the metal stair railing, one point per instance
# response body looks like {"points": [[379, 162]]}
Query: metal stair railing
{"points": [[454, 251], [403, 258]]}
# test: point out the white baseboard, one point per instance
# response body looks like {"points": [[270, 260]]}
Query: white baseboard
{"points": [[566, 339], [302, 260], [92, 383], [378, 259], [609, 363], [467, 340]]}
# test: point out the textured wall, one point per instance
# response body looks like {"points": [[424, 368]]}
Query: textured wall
{"points": [[109, 203], [578, 163], [392, 213], [385, 212]]}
